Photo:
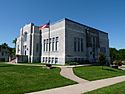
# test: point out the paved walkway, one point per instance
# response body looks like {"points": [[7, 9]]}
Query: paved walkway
{"points": [[82, 87], [25, 64], [67, 72]]}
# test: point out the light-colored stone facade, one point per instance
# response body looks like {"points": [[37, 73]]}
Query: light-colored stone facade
{"points": [[90, 42], [67, 41], [28, 44]]}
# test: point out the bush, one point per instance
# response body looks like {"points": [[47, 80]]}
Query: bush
{"points": [[49, 65], [117, 62], [102, 59], [72, 63]]}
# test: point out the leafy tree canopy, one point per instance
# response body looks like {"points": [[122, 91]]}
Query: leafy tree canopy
{"points": [[117, 54]]}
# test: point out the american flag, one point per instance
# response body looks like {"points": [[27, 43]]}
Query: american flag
{"points": [[44, 26]]}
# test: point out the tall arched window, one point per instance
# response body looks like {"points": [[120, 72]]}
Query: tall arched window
{"points": [[57, 44], [25, 36]]}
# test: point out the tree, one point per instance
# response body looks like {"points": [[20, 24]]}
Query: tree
{"points": [[14, 42], [117, 54], [101, 59], [14, 49], [122, 54], [4, 45], [113, 54]]}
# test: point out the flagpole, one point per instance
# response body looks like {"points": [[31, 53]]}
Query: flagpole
{"points": [[49, 41], [40, 44]]}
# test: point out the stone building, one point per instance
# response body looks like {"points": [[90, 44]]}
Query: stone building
{"points": [[28, 44], [4, 54], [64, 41]]}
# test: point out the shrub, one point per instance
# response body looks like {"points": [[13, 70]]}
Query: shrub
{"points": [[101, 59], [49, 65], [72, 63]]}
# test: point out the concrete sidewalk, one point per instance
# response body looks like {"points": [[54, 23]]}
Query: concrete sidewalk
{"points": [[82, 87], [67, 72], [25, 64]]}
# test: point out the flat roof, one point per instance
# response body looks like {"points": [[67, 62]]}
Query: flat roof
{"points": [[78, 24]]}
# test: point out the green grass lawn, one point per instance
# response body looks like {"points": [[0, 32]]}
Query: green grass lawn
{"points": [[96, 72], [18, 79], [113, 89]]}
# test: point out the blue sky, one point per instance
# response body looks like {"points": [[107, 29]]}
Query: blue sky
{"points": [[106, 15]]}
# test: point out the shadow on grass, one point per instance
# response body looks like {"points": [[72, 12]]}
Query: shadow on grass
{"points": [[5, 65], [52, 67], [45, 67], [111, 69], [108, 69]]}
